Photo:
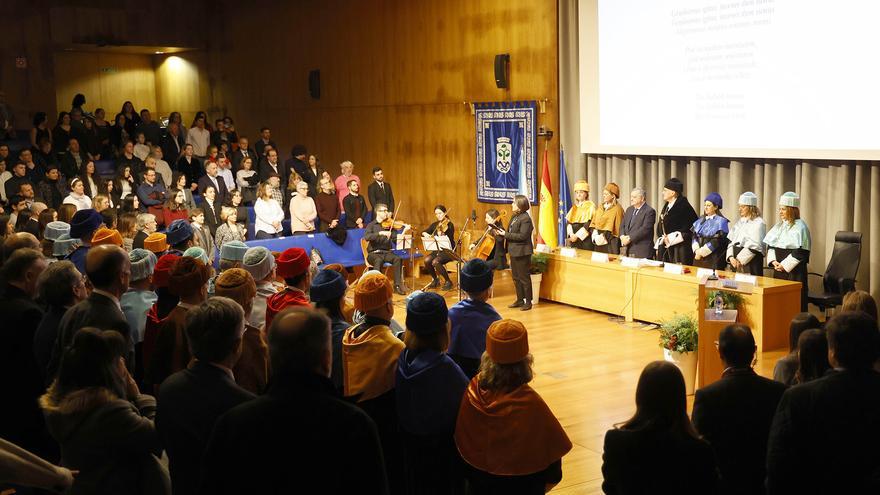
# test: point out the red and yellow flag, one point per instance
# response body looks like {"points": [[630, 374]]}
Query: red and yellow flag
{"points": [[547, 214]]}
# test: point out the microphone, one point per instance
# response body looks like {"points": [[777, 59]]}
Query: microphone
{"points": [[474, 216]]}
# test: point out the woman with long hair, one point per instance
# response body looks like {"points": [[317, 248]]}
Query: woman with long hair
{"points": [[88, 178], [125, 182], [132, 118], [119, 134], [789, 244], [812, 356], [229, 230], [45, 218], [130, 204], [127, 227], [660, 430], [61, 135], [40, 130], [269, 214], [66, 212], [235, 200], [96, 412], [745, 251], [179, 181], [785, 369], [175, 207], [247, 180]]}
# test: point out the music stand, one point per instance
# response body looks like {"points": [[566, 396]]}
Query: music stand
{"points": [[458, 259]]}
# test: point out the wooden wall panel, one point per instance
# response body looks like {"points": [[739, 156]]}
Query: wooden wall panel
{"points": [[107, 80], [394, 76]]}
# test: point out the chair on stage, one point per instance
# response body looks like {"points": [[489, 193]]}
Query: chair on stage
{"points": [[840, 275]]}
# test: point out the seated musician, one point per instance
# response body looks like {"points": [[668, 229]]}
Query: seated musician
{"points": [[381, 242], [435, 261], [579, 217], [497, 257]]}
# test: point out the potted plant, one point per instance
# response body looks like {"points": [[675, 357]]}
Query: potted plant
{"points": [[537, 267], [678, 338], [732, 300]]}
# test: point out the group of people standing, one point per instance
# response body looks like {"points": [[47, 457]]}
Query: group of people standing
{"points": [[682, 236]]}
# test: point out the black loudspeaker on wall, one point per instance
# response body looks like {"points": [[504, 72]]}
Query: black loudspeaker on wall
{"points": [[502, 70], [315, 84]]}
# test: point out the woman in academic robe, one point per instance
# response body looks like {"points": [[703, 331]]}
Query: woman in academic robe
{"points": [[605, 226], [789, 243], [523, 452], [710, 231], [745, 251], [674, 228], [577, 228]]}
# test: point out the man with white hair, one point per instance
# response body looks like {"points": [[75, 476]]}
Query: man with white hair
{"points": [[637, 227], [146, 225]]}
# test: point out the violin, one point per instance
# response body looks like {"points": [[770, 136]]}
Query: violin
{"points": [[392, 224]]}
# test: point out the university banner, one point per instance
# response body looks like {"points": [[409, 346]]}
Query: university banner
{"points": [[506, 139]]}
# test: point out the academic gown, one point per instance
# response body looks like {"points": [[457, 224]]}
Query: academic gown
{"points": [[747, 244], [710, 234], [679, 218], [578, 217], [790, 239]]}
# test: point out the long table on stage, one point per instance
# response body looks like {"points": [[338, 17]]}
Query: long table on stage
{"points": [[649, 294]]}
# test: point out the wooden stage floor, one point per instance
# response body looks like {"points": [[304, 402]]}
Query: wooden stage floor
{"points": [[587, 366]]}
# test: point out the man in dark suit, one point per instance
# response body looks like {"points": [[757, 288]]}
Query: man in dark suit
{"points": [[297, 163], [190, 401], [265, 139], [212, 179], [172, 143], [379, 191], [74, 160], [637, 227], [270, 165], [21, 421], [825, 433], [243, 151], [108, 269], [280, 442], [734, 414]]}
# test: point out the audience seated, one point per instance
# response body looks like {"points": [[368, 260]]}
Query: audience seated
{"points": [[146, 225], [283, 442], [259, 262], [825, 431], [191, 400], [786, 367], [327, 293], [20, 377], [60, 286], [859, 300], [188, 281], [102, 422], [108, 270], [640, 453], [294, 267], [734, 414], [251, 371], [812, 356], [429, 388], [470, 318], [524, 452]]}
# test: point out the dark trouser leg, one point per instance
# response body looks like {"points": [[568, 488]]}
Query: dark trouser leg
{"points": [[397, 264], [265, 235], [429, 264], [519, 267], [375, 260]]}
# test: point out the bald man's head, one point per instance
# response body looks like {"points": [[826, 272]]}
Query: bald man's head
{"points": [[17, 241], [108, 268], [299, 343]]}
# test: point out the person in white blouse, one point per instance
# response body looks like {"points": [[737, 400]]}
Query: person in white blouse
{"points": [[269, 214], [745, 252], [302, 210], [224, 170], [246, 180], [77, 196], [199, 138]]}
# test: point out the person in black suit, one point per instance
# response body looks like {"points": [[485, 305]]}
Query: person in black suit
{"points": [[108, 269], [270, 165], [674, 228], [280, 442], [265, 139], [190, 166], [640, 455], [213, 180], [297, 162], [379, 191], [518, 239], [637, 227], [21, 421], [244, 150], [74, 160], [734, 414], [191, 401], [211, 208], [172, 143], [825, 433]]}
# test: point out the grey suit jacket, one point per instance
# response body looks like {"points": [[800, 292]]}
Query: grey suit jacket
{"points": [[640, 229]]}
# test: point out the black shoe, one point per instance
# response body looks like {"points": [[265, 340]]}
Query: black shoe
{"points": [[526, 307], [434, 284], [402, 290], [447, 286], [518, 304]]}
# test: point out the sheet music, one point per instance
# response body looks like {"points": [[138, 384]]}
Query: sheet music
{"points": [[403, 242], [437, 243]]}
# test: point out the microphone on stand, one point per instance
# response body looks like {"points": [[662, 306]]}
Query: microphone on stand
{"points": [[474, 216]]}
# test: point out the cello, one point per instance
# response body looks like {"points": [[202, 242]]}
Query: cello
{"points": [[486, 243]]}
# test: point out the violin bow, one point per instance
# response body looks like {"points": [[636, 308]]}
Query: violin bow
{"points": [[394, 218]]}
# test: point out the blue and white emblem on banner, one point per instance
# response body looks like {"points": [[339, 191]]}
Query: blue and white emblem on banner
{"points": [[506, 151]]}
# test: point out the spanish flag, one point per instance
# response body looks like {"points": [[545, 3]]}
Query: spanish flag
{"points": [[547, 213]]}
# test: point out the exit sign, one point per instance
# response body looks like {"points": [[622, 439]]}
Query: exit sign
{"points": [[108, 70]]}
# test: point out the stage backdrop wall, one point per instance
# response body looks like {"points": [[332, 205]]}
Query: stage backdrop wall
{"points": [[394, 78], [835, 195]]}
